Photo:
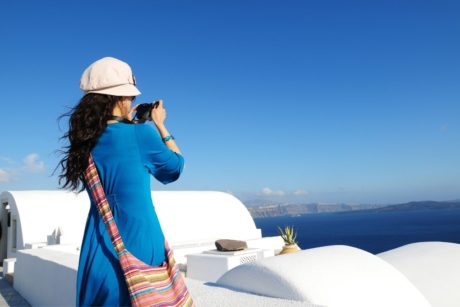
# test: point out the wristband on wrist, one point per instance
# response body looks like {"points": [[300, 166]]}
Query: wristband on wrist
{"points": [[167, 138]]}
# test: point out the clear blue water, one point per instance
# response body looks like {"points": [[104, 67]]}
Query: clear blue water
{"points": [[373, 232]]}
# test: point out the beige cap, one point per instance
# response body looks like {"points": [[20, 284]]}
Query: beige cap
{"points": [[109, 76]]}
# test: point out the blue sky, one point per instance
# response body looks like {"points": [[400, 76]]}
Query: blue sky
{"points": [[315, 101]]}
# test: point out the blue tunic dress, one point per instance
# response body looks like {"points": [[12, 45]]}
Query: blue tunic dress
{"points": [[125, 156]]}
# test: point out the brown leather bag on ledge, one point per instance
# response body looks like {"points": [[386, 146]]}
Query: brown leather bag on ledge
{"points": [[226, 245]]}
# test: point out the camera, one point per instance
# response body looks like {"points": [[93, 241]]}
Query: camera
{"points": [[144, 112]]}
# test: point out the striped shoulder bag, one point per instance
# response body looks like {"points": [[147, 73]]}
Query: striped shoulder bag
{"points": [[148, 285]]}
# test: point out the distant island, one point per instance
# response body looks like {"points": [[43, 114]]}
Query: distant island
{"points": [[293, 209], [419, 205]]}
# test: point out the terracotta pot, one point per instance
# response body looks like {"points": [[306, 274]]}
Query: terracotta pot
{"points": [[289, 248]]}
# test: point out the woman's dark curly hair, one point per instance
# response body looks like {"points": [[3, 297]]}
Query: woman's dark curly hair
{"points": [[87, 121]]}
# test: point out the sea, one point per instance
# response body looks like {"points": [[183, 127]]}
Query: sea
{"points": [[374, 232]]}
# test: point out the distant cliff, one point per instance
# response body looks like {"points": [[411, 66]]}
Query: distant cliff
{"points": [[271, 210], [419, 205]]}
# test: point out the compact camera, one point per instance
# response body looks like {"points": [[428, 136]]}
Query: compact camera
{"points": [[144, 112]]}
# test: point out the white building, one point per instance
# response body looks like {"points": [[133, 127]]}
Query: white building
{"points": [[41, 233]]}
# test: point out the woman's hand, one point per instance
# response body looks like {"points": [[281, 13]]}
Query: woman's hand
{"points": [[159, 114]]}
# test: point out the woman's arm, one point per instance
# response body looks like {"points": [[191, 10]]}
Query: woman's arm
{"points": [[163, 163], [171, 143], [158, 118]]}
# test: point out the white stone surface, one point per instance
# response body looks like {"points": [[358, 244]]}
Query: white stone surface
{"points": [[46, 277], [8, 265], [433, 267], [334, 276], [65, 248], [275, 243], [211, 295], [210, 265]]}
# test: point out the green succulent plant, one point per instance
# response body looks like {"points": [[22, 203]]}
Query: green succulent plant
{"points": [[288, 234]]}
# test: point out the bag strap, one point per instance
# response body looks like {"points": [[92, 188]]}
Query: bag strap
{"points": [[95, 186]]}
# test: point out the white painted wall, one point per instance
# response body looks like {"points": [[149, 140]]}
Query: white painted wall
{"points": [[4, 207], [39, 213], [188, 218], [46, 277]]}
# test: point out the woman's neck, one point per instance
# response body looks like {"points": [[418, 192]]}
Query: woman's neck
{"points": [[116, 112]]}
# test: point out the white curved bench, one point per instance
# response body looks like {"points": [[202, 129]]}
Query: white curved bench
{"points": [[332, 276], [433, 267]]}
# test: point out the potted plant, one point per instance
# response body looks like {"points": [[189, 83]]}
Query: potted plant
{"points": [[289, 236]]}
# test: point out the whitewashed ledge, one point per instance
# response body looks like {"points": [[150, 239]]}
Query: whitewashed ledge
{"points": [[208, 294], [47, 277]]}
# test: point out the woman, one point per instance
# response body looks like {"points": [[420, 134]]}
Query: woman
{"points": [[125, 155]]}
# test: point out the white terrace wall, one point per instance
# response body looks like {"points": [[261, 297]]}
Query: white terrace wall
{"points": [[186, 217], [191, 217], [36, 216]]}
